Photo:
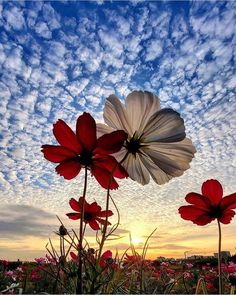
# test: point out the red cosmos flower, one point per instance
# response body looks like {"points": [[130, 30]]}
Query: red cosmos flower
{"points": [[92, 213], [210, 205], [104, 258], [83, 149]]}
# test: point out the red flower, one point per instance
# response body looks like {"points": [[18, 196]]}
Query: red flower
{"points": [[92, 213], [104, 258], [210, 205], [83, 149]]}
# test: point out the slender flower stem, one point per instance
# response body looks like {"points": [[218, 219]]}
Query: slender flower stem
{"points": [[79, 288], [219, 259], [107, 208]]}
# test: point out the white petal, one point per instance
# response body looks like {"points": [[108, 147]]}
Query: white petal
{"points": [[158, 175], [103, 129], [136, 169], [140, 107], [165, 126], [172, 158], [115, 115]]}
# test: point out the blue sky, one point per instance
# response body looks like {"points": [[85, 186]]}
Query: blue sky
{"points": [[61, 58]]}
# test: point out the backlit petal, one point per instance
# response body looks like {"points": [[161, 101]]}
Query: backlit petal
{"points": [[73, 216], [190, 212], [203, 220], [103, 177], [140, 107], [94, 225], [86, 131], [74, 205], [165, 125], [115, 115], [103, 129], [65, 136], [69, 169], [102, 221], [198, 200], [227, 216], [57, 154], [228, 202], [213, 190], [103, 213], [110, 164], [157, 174], [136, 169], [110, 143], [94, 208]]}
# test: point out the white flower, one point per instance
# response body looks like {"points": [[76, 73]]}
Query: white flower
{"points": [[156, 143]]}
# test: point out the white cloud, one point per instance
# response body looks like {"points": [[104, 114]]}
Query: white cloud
{"points": [[14, 18], [154, 50], [41, 28]]}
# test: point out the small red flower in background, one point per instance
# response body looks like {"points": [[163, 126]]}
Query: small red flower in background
{"points": [[210, 205], [83, 149], [106, 256], [92, 213]]}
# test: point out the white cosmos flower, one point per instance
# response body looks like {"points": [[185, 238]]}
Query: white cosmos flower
{"points": [[156, 143]]}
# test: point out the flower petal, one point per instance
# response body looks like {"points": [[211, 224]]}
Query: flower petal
{"points": [[227, 216], [68, 169], [203, 220], [73, 216], [198, 200], [86, 131], [57, 154], [110, 143], [165, 125], [103, 213], [109, 163], [136, 169], [65, 136], [228, 202], [140, 107], [74, 205], [103, 129], [94, 208], [103, 177], [115, 115], [191, 212], [157, 174], [172, 158], [94, 225], [213, 190], [107, 254], [102, 221]]}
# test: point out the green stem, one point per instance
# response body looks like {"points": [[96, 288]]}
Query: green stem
{"points": [[219, 259], [79, 288]]}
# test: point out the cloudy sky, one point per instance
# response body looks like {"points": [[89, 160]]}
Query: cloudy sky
{"points": [[59, 59]]}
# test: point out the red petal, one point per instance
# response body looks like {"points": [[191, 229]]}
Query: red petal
{"points": [[107, 254], [103, 213], [191, 212], [69, 169], [103, 177], [73, 256], [203, 220], [74, 204], [86, 131], [94, 208], [94, 225], [102, 221], [213, 190], [73, 216], [57, 154], [227, 216], [86, 205], [110, 143], [109, 163], [65, 136], [228, 202], [198, 200]]}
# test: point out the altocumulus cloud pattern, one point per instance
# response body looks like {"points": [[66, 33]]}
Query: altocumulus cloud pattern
{"points": [[61, 58]]}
